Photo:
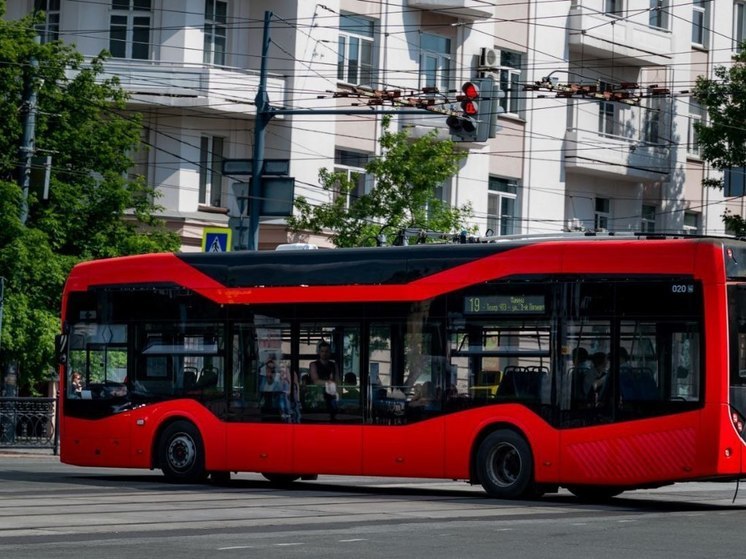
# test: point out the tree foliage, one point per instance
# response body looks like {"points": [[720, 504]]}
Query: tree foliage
{"points": [[94, 209], [722, 139], [407, 175]]}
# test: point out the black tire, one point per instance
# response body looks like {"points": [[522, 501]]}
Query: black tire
{"points": [[505, 465], [181, 453], [595, 493], [281, 480]]}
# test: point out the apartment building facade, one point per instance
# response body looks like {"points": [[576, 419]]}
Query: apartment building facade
{"points": [[619, 156]]}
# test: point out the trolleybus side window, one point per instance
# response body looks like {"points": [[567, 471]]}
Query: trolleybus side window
{"points": [[180, 359], [500, 346]]}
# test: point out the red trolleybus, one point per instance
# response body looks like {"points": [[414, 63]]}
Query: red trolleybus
{"points": [[596, 364]]}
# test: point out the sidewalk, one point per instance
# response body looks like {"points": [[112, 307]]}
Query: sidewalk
{"points": [[11, 451]]}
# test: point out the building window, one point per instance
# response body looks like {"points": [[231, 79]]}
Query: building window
{"points": [[442, 194], [606, 114], [502, 206], [647, 220], [602, 214], [699, 22], [652, 120], [734, 182], [739, 25], [215, 32], [210, 165], [691, 223], [510, 75], [355, 50], [660, 16], [435, 61], [614, 8], [352, 165], [696, 114], [49, 30], [129, 29]]}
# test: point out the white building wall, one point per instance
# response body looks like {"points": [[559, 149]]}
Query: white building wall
{"points": [[554, 151], [543, 172]]}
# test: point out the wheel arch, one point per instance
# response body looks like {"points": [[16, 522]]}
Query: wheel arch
{"points": [[158, 433], [486, 431]]}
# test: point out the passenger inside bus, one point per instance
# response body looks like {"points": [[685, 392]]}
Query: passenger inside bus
{"points": [[595, 382], [323, 372], [635, 383]]}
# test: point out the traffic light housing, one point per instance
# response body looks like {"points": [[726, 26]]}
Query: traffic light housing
{"points": [[475, 122]]}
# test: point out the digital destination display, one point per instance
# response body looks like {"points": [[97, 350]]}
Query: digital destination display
{"points": [[504, 304]]}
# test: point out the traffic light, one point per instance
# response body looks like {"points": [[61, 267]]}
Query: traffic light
{"points": [[475, 121]]}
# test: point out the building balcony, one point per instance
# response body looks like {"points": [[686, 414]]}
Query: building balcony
{"points": [[591, 153], [464, 9], [628, 42], [163, 84]]}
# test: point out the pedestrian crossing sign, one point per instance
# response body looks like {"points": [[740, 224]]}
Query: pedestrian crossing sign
{"points": [[216, 239]]}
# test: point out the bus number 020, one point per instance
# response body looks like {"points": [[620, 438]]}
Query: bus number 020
{"points": [[682, 288]]}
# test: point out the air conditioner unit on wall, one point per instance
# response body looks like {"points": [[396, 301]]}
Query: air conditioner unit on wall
{"points": [[489, 58]]}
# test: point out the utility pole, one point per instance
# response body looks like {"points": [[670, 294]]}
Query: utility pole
{"points": [[26, 151], [263, 116]]}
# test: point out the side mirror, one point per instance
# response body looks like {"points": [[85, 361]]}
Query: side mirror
{"points": [[60, 348]]}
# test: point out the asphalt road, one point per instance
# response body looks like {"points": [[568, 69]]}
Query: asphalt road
{"points": [[48, 509]]}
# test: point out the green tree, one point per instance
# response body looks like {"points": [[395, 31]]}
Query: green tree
{"points": [[94, 209], [407, 174], [722, 140]]}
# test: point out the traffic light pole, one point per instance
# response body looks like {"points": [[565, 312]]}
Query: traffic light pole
{"points": [[263, 116]]}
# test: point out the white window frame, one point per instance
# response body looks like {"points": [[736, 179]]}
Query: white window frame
{"points": [[691, 223], [647, 218], [696, 115], [211, 157], [653, 120], [700, 23], [510, 77], [435, 64], [135, 20], [355, 49], [608, 124], [660, 15], [601, 214], [739, 24], [351, 163], [614, 8], [49, 31], [502, 197], [215, 32]]}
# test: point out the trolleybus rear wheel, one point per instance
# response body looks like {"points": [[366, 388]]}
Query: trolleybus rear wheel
{"points": [[505, 465]]}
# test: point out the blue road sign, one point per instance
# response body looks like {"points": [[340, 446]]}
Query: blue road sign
{"points": [[216, 239]]}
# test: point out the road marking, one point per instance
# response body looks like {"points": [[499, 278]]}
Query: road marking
{"points": [[235, 547], [288, 544], [354, 540]]}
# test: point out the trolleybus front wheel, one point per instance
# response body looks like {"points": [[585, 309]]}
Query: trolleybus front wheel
{"points": [[181, 453], [505, 465]]}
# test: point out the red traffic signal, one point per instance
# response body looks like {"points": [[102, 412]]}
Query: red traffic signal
{"points": [[469, 104], [471, 124]]}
